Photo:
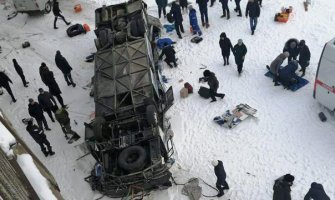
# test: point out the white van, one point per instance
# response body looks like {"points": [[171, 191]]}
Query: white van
{"points": [[29, 6], [324, 86]]}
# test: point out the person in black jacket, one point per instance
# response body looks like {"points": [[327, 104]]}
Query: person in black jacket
{"points": [[282, 187], [225, 46], [213, 84], [4, 82], [183, 5], [36, 111], [221, 183], [19, 71], [291, 46], [161, 7], [47, 101], [287, 75], [254, 11], [44, 70], [178, 18], [238, 8], [38, 135], [316, 192], [57, 12], [170, 56], [304, 56], [203, 12], [64, 66], [239, 50]]}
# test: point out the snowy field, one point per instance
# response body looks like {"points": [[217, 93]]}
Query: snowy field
{"points": [[287, 136]]}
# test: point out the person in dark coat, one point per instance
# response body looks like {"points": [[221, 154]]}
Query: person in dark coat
{"points": [[220, 173], [194, 21], [35, 110], [253, 11], [225, 9], [4, 82], [62, 116], [275, 66], [282, 187], [19, 71], [213, 84], [161, 7], [304, 56], [287, 75], [238, 8], [170, 55], [203, 12], [178, 18], [183, 5], [239, 50], [291, 46], [47, 101], [40, 138], [225, 46], [57, 12], [44, 70], [64, 66], [316, 192]]}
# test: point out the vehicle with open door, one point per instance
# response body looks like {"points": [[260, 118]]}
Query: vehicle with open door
{"points": [[324, 86], [130, 138]]}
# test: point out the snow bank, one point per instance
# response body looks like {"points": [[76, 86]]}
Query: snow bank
{"points": [[35, 178], [6, 139]]}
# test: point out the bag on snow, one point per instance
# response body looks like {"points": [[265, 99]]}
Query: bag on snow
{"points": [[196, 39], [75, 30], [189, 87], [169, 17], [204, 92], [322, 117]]}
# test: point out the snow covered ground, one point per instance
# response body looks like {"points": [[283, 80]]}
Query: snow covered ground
{"points": [[287, 136]]}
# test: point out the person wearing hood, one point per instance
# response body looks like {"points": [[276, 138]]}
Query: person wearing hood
{"points": [[254, 11], [225, 46], [220, 174], [291, 46], [170, 55], [225, 9], [47, 101], [194, 21], [203, 12], [239, 50], [238, 8], [161, 7], [282, 187], [19, 71], [213, 84], [4, 82], [64, 66], [316, 192], [287, 75], [275, 66], [57, 12], [304, 56], [178, 17]]}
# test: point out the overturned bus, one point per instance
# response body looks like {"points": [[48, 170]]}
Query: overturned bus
{"points": [[130, 138]]}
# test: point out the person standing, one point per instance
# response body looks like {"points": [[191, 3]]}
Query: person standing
{"points": [[203, 12], [291, 46], [170, 55], [253, 11], [35, 110], [178, 18], [238, 8], [40, 138], [225, 8], [194, 21], [183, 5], [19, 71], [239, 50], [275, 66], [44, 70], [47, 101], [4, 82], [316, 192], [62, 116], [225, 46], [220, 173], [282, 187], [57, 12], [213, 84], [64, 66], [304, 56], [161, 7]]}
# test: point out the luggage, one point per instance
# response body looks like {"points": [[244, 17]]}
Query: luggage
{"points": [[204, 92], [183, 93], [322, 117], [25, 44], [196, 39], [189, 87], [169, 17]]}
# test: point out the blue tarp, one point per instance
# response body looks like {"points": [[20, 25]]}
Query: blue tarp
{"points": [[301, 82]]}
